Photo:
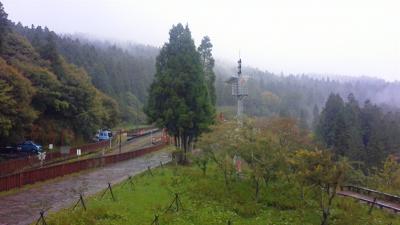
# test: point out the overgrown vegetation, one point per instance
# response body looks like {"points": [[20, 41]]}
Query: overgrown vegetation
{"points": [[277, 150], [206, 200]]}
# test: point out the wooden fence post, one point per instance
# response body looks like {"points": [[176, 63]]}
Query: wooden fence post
{"points": [[372, 205]]}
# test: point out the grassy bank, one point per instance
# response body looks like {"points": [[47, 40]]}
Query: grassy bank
{"points": [[207, 200]]}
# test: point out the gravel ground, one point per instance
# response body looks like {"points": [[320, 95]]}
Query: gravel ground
{"points": [[23, 207]]}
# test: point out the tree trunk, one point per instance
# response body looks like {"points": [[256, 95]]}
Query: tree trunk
{"points": [[257, 194], [226, 178], [325, 216], [176, 141], [183, 141]]}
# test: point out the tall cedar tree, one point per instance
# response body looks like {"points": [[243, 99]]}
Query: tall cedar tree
{"points": [[178, 97], [207, 60]]}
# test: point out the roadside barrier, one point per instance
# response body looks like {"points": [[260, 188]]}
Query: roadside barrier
{"points": [[46, 173], [16, 165]]}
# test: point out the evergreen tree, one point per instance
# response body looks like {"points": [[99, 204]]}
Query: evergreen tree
{"points": [[208, 61], [178, 98], [3, 25], [315, 116], [332, 126], [373, 134], [352, 113]]}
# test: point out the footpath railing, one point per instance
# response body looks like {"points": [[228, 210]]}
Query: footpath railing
{"points": [[16, 165], [141, 131], [46, 173], [375, 195]]}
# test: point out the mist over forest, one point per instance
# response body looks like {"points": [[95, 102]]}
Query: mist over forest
{"points": [[124, 71]]}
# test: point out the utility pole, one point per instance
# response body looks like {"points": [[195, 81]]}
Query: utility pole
{"points": [[239, 90]]}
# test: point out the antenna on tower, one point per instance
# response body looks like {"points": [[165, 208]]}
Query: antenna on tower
{"points": [[239, 89]]}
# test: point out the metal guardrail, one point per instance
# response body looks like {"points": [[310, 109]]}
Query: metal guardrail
{"points": [[371, 192], [376, 195]]}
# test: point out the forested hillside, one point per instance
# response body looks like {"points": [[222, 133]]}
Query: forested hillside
{"points": [[301, 96], [124, 74], [42, 96]]}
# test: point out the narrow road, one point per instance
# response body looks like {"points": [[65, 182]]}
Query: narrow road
{"points": [[23, 207]]}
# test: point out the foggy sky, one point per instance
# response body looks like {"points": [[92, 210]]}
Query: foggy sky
{"points": [[346, 37]]}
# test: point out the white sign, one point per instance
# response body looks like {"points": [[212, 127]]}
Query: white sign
{"points": [[50, 146], [41, 157], [78, 152]]}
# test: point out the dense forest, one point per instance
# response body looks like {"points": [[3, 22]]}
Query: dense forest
{"points": [[123, 74], [365, 134]]}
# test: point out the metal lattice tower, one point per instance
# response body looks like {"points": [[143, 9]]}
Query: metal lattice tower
{"points": [[239, 89]]}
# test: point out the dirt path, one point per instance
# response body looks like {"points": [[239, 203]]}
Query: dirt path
{"points": [[23, 207]]}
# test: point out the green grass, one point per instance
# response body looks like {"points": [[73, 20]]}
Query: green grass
{"points": [[206, 200]]}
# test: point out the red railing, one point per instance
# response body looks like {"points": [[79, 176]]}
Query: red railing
{"points": [[15, 165], [50, 172]]}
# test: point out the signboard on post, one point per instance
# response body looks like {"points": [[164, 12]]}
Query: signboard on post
{"points": [[50, 146], [78, 152]]}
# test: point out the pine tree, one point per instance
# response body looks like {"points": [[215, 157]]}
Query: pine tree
{"points": [[178, 98]]}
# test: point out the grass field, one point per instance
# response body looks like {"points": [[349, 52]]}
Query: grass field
{"points": [[207, 200]]}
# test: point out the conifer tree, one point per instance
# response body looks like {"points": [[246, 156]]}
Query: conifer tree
{"points": [[3, 25], [178, 98], [208, 62], [331, 127]]}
